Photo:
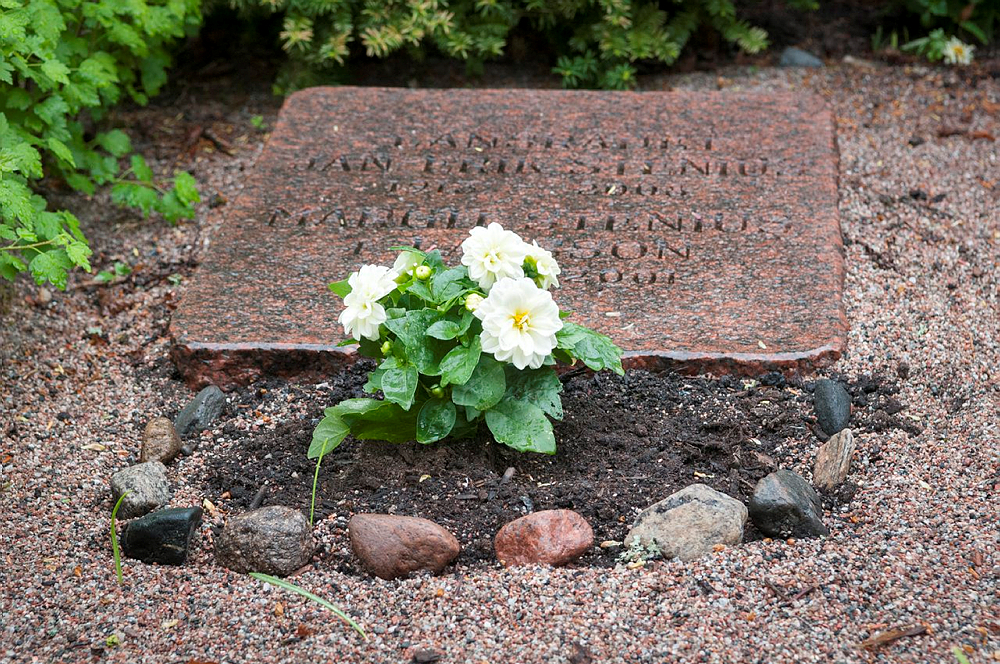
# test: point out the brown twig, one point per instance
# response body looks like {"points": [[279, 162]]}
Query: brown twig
{"points": [[802, 593], [259, 498], [891, 635]]}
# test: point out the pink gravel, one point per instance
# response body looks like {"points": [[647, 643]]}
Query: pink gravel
{"points": [[920, 542]]}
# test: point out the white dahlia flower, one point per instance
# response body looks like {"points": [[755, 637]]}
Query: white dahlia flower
{"points": [[492, 254], [957, 52], [520, 322], [546, 266], [406, 263], [363, 314]]}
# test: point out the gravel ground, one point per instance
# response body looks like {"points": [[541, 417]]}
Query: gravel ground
{"points": [[920, 203]]}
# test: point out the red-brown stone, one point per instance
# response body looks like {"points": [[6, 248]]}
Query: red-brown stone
{"points": [[549, 537], [391, 546], [699, 230]]}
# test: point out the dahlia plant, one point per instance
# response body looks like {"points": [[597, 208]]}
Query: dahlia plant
{"points": [[459, 345]]}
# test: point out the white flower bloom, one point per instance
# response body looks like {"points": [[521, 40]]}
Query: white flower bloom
{"points": [[406, 263], [957, 52], [546, 266], [492, 253], [520, 322], [363, 314]]}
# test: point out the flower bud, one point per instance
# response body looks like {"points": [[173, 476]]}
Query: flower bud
{"points": [[386, 347], [437, 391], [473, 301], [423, 272]]}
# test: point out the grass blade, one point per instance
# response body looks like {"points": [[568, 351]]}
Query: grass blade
{"points": [[114, 539], [281, 583]]}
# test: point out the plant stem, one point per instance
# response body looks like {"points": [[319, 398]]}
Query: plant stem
{"points": [[19, 247], [312, 504]]}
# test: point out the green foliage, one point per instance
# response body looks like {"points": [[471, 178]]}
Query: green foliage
{"points": [[117, 271], [285, 585], [62, 64], [599, 42], [969, 20]]}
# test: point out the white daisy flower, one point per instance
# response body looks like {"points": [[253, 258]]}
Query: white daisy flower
{"points": [[520, 322], [363, 314], [957, 52], [545, 265], [492, 254]]}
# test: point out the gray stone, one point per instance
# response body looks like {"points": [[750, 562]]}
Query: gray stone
{"points": [[796, 57], [785, 505], [832, 404], [833, 461], [163, 536], [690, 523], [160, 441], [147, 487], [200, 412], [273, 540]]}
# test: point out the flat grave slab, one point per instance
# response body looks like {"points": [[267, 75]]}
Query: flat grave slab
{"points": [[698, 230]]}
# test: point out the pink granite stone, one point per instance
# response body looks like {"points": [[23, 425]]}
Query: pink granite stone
{"points": [[699, 230]]}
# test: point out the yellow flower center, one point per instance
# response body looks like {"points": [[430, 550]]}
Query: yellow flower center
{"points": [[521, 320]]}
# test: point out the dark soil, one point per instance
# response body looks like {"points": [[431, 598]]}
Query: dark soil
{"points": [[625, 444]]}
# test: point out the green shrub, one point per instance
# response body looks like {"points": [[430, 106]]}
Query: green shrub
{"points": [[599, 42], [62, 64], [978, 19]]}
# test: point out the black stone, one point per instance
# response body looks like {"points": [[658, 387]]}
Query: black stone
{"points": [[785, 505], [832, 404], [161, 537], [200, 412]]}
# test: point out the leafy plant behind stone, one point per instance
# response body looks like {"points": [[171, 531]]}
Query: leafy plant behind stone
{"points": [[599, 42], [62, 65]]}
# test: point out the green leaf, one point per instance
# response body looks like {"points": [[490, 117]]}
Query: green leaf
{"points": [[140, 169], [449, 283], [79, 253], [154, 74], [484, 388], [457, 366], [51, 266], [340, 288], [115, 141], [976, 31], [424, 352], [421, 290], [540, 387], [60, 150], [374, 382], [15, 200], [371, 419], [435, 420], [186, 188], [399, 384], [56, 71], [329, 434], [595, 350], [449, 329], [522, 426]]}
